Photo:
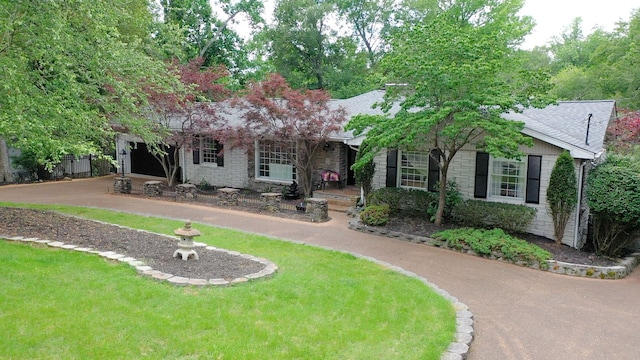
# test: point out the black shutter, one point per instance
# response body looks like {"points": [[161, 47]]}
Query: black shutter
{"points": [[482, 175], [434, 170], [392, 168], [196, 150], [534, 167], [219, 153]]}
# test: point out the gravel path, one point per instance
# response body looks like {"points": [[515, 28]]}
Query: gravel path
{"points": [[153, 249]]}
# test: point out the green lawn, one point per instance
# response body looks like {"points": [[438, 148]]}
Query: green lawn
{"points": [[59, 304]]}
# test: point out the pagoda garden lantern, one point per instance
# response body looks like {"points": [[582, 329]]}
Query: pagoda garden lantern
{"points": [[186, 246]]}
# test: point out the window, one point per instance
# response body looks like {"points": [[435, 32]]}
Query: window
{"points": [[207, 151], [414, 169], [273, 162], [507, 178]]}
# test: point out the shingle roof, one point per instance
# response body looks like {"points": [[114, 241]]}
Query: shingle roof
{"points": [[563, 125]]}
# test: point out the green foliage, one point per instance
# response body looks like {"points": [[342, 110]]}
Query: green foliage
{"points": [[494, 242], [406, 201], [29, 165], [562, 193], [375, 215], [414, 202], [613, 195], [457, 85], [364, 174], [512, 218], [70, 70]]}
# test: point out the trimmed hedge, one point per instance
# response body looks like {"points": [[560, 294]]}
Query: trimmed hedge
{"points": [[375, 215], [511, 218], [409, 201]]}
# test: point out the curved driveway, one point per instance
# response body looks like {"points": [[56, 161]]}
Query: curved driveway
{"points": [[519, 313]]}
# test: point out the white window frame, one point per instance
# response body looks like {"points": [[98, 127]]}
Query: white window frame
{"points": [[208, 151], [269, 154], [413, 173], [502, 186]]}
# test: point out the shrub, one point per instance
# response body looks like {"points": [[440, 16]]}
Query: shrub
{"points": [[562, 194], [414, 202], [364, 175], [613, 195], [512, 218], [407, 201], [496, 242], [375, 215]]}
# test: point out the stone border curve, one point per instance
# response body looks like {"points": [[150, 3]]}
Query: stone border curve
{"points": [[148, 271], [626, 266]]}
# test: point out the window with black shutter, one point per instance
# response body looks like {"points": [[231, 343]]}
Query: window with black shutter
{"points": [[434, 170], [392, 168], [534, 169], [482, 175]]}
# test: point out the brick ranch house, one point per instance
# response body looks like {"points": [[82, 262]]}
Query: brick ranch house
{"points": [[576, 126]]}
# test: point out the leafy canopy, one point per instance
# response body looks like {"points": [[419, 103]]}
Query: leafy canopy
{"points": [[457, 75], [70, 70]]}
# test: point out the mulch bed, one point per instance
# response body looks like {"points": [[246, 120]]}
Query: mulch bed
{"points": [[424, 227], [153, 249]]}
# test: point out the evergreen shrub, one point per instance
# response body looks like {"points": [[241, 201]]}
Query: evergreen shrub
{"points": [[512, 218], [375, 215]]}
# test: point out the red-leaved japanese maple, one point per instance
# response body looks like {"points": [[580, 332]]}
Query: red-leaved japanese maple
{"points": [[299, 122], [624, 133], [185, 113]]}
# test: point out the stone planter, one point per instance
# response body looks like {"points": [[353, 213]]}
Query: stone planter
{"points": [[228, 196], [270, 202], [317, 210], [186, 191], [152, 188], [122, 185]]}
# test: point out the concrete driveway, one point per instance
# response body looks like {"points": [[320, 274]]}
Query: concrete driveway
{"points": [[519, 313]]}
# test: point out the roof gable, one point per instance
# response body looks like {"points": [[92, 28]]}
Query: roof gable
{"points": [[566, 124]]}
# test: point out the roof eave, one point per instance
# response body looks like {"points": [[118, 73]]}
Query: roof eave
{"points": [[575, 151]]}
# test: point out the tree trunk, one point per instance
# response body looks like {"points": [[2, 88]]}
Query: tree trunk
{"points": [[442, 198]]}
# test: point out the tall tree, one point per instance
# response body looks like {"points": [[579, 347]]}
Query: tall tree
{"points": [[456, 91], [299, 39], [207, 34], [72, 69], [298, 122], [370, 22], [187, 113]]}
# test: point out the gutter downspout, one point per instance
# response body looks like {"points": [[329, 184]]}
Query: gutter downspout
{"points": [[183, 170]]}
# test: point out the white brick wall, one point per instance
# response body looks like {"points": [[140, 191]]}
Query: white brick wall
{"points": [[234, 173], [462, 170]]}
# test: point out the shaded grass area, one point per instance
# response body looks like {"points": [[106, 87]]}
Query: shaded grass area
{"points": [[319, 305]]}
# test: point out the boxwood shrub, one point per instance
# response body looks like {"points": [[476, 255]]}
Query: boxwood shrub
{"points": [[408, 201], [512, 218], [375, 215]]}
